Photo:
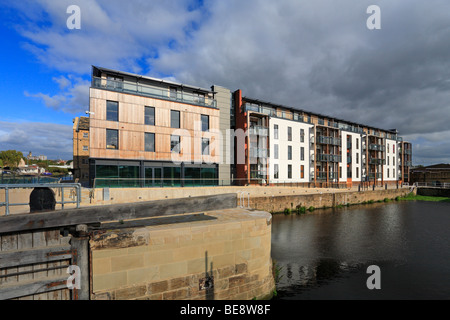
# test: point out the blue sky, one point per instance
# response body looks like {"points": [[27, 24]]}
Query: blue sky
{"points": [[316, 55]]}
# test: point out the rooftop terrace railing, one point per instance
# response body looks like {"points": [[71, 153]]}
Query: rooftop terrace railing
{"points": [[153, 92]]}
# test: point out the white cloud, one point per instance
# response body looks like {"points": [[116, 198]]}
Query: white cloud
{"points": [[72, 98], [52, 140]]}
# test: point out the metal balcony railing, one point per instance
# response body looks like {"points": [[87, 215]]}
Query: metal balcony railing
{"points": [[377, 147], [329, 140], [259, 131], [154, 92], [375, 161], [258, 153], [321, 157], [373, 175]]}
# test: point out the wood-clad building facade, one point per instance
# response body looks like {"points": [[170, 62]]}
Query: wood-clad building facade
{"points": [[150, 132]]}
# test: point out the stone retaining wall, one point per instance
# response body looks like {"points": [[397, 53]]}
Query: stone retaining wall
{"points": [[181, 261], [281, 202]]}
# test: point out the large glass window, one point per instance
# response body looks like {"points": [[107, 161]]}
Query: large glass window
{"points": [[112, 110], [150, 116], [192, 177], [275, 131], [112, 139], [289, 152], [302, 135], [174, 119], [149, 142], [209, 176], [205, 122], [289, 171], [289, 133], [275, 171], [275, 151], [172, 176], [175, 144], [302, 153], [205, 146], [302, 171]]}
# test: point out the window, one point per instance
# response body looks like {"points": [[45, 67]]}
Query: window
{"points": [[357, 172], [289, 134], [205, 122], [357, 158], [388, 148], [388, 160], [149, 142], [275, 171], [302, 153], [357, 143], [388, 172], [175, 144], [393, 161], [205, 146], [174, 119], [393, 148], [289, 171], [302, 172], [112, 110], [85, 148], [289, 152], [275, 151], [302, 135], [84, 161], [275, 132], [173, 93], [85, 135], [112, 139], [150, 116], [393, 173], [340, 172]]}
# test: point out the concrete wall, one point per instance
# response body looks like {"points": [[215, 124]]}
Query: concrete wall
{"points": [[280, 202], [171, 261]]}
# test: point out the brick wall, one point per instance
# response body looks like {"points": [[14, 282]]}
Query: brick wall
{"points": [[172, 261]]}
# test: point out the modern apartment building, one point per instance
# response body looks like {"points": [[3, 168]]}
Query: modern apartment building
{"points": [[149, 132], [287, 145]]}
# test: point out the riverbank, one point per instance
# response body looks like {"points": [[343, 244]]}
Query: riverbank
{"points": [[416, 197], [308, 203]]}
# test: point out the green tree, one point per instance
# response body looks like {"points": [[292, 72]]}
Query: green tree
{"points": [[1, 163], [11, 158]]}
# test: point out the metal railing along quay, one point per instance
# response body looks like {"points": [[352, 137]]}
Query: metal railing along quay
{"points": [[60, 186]]}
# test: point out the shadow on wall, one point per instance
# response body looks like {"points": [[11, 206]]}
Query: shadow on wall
{"points": [[207, 283]]}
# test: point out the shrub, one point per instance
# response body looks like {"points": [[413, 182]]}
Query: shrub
{"points": [[301, 210], [287, 211], [311, 209]]}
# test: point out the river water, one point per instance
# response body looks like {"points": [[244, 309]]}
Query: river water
{"points": [[325, 254]]}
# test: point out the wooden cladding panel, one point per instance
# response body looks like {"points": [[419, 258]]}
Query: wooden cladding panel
{"points": [[132, 126]]}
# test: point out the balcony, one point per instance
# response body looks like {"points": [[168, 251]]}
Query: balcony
{"points": [[375, 161], [152, 92], [321, 157], [377, 147], [408, 151], [258, 174], [322, 175], [259, 131], [258, 153], [372, 176], [329, 140]]}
